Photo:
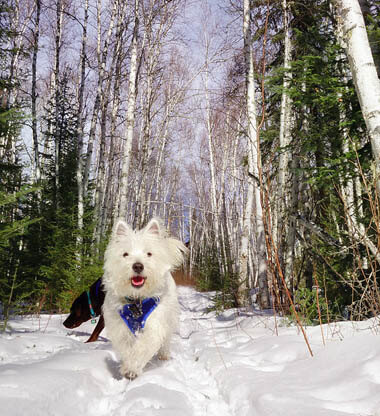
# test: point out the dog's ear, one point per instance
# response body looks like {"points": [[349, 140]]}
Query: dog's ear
{"points": [[153, 227], [121, 229]]}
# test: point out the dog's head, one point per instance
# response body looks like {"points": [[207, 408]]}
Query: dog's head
{"points": [[79, 312], [138, 262]]}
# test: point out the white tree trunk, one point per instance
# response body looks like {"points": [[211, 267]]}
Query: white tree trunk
{"points": [[253, 189], [285, 130], [111, 182], [37, 168], [211, 163], [102, 54], [251, 116], [290, 238], [58, 38], [363, 70], [130, 117], [80, 132]]}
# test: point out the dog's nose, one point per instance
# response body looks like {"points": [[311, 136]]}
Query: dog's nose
{"points": [[138, 267]]}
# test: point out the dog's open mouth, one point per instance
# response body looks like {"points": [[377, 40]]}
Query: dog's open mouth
{"points": [[137, 281]]}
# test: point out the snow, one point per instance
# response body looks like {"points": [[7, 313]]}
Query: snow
{"points": [[236, 363]]}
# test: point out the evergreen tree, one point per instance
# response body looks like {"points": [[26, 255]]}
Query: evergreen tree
{"points": [[14, 195], [50, 253], [327, 140]]}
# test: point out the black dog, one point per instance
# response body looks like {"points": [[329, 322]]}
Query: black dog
{"points": [[88, 305]]}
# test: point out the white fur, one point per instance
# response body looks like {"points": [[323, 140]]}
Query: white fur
{"points": [[165, 255]]}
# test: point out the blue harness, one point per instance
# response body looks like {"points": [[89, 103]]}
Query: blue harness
{"points": [[135, 313]]}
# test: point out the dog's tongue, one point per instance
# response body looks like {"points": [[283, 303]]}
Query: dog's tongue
{"points": [[137, 281]]}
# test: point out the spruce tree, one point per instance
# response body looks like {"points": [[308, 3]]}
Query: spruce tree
{"points": [[14, 194]]}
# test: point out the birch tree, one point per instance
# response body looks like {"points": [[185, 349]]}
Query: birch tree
{"points": [[102, 50], [106, 186], [130, 122], [36, 38], [253, 191], [80, 126], [363, 71], [285, 227], [57, 68], [210, 143]]}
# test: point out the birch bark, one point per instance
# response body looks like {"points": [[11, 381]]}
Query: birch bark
{"points": [[58, 38], [253, 193], [285, 127], [364, 72], [100, 200], [214, 203], [285, 225], [130, 116], [36, 34], [110, 191], [80, 131], [102, 59]]}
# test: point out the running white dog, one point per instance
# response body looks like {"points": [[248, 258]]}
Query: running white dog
{"points": [[141, 307]]}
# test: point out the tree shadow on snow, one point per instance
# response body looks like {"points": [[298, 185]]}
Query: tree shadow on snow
{"points": [[232, 314], [196, 308]]}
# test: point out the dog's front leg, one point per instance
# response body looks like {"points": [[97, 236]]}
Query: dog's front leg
{"points": [[98, 329], [135, 358], [164, 351]]}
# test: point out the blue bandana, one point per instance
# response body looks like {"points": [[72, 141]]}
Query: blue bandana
{"points": [[136, 313]]}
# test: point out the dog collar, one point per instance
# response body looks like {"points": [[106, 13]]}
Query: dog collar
{"points": [[93, 314], [136, 312]]}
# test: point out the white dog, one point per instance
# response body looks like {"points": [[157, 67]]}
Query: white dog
{"points": [[141, 308]]}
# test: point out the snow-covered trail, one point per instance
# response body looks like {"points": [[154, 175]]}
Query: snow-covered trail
{"points": [[182, 385], [48, 370], [226, 365]]}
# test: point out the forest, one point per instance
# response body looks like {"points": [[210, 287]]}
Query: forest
{"points": [[250, 127]]}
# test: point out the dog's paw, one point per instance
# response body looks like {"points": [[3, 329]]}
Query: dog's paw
{"points": [[126, 371], [164, 353], [130, 375], [163, 356]]}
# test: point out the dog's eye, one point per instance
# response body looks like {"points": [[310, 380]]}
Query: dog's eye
{"points": [[149, 254], [125, 254]]}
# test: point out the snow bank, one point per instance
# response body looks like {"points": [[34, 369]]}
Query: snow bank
{"points": [[231, 364]]}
